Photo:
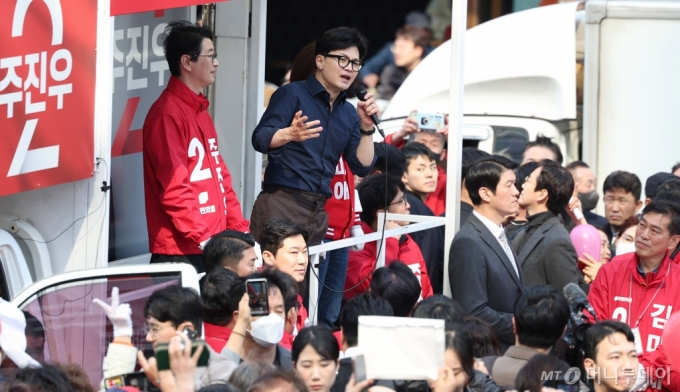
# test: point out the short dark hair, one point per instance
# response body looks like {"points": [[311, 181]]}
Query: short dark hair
{"points": [[577, 164], [220, 387], [184, 37], [282, 281], [246, 373], [486, 342], [487, 173], [675, 167], [364, 304], [341, 38], [77, 377], [669, 190], [226, 249], [469, 157], [541, 313], [596, 333], [459, 340], [558, 182], [304, 65], [440, 307], [531, 375], [628, 182], [398, 285], [414, 150], [542, 141], [654, 181], [419, 37], [373, 192], [34, 327], [627, 224], [221, 292], [279, 380], [524, 171], [45, 378], [177, 305], [668, 209], [276, 231], [387, 154], [320, 338]]}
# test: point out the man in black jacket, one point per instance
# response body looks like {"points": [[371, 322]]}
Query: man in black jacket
{"points": [[546, 253]]}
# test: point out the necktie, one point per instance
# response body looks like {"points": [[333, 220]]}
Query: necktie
{"points": [[506, 247]]}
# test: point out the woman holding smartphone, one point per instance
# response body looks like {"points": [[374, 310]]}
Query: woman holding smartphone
{"points": [[315, 359]]}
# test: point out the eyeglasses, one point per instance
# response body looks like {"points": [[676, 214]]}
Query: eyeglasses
{"points": [[402, 201], [153, 331], [213, 56], [344, 61]]}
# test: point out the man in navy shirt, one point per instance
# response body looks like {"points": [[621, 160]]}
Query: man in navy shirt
{"points": [[306, 128]]}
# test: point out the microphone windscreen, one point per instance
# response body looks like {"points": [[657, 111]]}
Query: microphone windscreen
{"points": [[360, 92], [572, 291]]}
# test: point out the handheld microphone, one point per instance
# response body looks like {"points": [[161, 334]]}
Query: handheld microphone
{"points": [[360, 91], [578, 298]]}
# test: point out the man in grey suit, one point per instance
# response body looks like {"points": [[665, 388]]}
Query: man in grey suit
{"points": [[485, 277], [546, 253]]}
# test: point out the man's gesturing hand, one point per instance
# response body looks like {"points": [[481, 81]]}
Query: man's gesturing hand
{"points": [[365, 109], [301, 130]]}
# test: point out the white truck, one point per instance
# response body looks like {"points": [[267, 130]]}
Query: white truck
{"points": [[597, 77], [521, 80]]}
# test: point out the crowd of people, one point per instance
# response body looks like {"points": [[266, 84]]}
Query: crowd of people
{"points": [[511, 267]]}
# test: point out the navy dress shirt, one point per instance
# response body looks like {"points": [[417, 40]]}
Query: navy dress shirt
{"points": [[309, 165]]}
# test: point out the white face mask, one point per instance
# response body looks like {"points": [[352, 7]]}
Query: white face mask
{"points": [[267, 331], [625, 247]]}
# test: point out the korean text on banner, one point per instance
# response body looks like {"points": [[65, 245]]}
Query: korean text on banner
{"points": [[47, 84]]}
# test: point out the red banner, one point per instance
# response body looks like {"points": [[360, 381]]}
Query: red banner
{"points": [[120, 7], [47, 81]]}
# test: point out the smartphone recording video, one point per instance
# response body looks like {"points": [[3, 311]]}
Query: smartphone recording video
{"points": [[359, 366], [259, 296]]}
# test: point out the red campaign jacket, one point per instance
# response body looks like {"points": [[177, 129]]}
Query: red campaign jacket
{"points": [[340, 206], [187, 187], [300, 322], [619, 292], [216, 336], [361, 264], [437, 199]]}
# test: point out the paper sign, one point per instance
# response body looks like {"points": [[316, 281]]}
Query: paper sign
{"points": [[398, 348]]}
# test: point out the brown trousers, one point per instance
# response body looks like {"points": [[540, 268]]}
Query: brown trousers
{"points": [[304, 208]]}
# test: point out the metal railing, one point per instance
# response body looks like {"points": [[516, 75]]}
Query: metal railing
{"points": [[417, 223]]}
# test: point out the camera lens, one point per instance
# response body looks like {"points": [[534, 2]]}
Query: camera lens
{"points": [[424, 121]]}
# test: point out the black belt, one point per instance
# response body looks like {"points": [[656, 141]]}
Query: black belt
{"points": [[295, 193]]}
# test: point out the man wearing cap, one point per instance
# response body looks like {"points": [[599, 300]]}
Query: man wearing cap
{"points": [[653, 183], [417, 23]]}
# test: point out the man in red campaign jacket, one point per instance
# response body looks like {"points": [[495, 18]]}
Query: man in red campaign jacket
{"points": [[642, 289], [187, 186], [362, 263], [435, 141]]}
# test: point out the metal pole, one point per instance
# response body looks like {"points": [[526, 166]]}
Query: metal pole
{"points": [[455, 142]]}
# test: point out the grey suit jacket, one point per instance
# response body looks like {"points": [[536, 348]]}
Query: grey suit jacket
{"points": [[548, 256], [482, 278]]}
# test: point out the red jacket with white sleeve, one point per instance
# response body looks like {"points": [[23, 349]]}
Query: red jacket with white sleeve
{"points": [[621, 293], [361, 263], [340, 206], [187, 187]]}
